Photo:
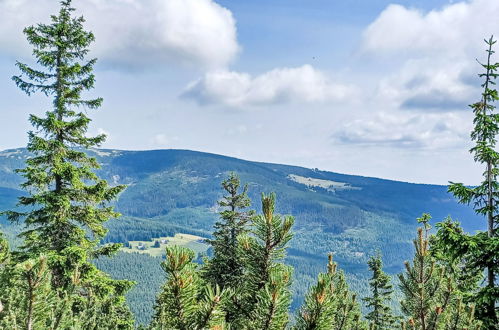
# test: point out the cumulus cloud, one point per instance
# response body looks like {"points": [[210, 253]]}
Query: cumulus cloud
{"points": [[402, 130], [431, 86], [432, 54], [453, 29], [136, 33], [282, 85]]}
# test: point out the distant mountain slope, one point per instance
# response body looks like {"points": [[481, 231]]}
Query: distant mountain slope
{"points": [[176, 191], [173, 190]]}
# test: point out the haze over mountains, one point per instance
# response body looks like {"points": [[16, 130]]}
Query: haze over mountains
{"points": [[176, 191]]}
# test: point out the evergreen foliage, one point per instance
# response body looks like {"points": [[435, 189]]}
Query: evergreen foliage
{"points": [[263, 296], [259, 298], [380, 315], [52, 282], [188, 183], [64, 214], [480, 252], [28, 301], [64, 209], [27, 296], [143, 269], [430, 298], [186, 302], [329, 305], [226, 267], [467, 279]]}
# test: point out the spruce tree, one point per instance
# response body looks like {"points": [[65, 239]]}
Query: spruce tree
{"points": [[329, 304], [480, 252], [186, 301], [65, 203], [380, 315], [226, 267], [430, 296], [467, 280]]}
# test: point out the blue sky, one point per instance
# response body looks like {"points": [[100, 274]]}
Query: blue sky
{"points": [[374, 88]]}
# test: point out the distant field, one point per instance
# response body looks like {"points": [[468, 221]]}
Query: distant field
{"points": [[326, 184], [156, 246]]}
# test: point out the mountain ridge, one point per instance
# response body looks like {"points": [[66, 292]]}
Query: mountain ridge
{"points": [[100, 150]]}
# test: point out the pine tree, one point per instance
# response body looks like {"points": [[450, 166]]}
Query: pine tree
{"points": [[4, 262], [4, 251], [65, 201], [329, 305], [480, 252], [263, 297], [186, 302], [430, 296], [380, 315], [273, 301], [226, 267], [260, 301]]}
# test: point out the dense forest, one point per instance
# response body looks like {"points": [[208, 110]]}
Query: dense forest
{"points": [[63, 258]]}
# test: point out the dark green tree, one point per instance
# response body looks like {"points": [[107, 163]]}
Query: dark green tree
{"points": [[380, 314], [64, 209], [4, 262], [186, 301], [329, 305], [431, 300], [4, 251], [263, 297], [480, 252], [29, 302], [272, 302], [467, 280], [226, 267]]}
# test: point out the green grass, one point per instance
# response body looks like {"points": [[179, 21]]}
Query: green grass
{"points": [[193, 242]]}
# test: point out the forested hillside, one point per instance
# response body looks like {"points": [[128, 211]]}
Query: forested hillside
{"points": [[176, 191]]}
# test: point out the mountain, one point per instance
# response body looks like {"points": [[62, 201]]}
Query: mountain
{"points": [[176, 191]]}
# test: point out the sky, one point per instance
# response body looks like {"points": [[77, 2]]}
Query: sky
{"points": [[365, 87]]}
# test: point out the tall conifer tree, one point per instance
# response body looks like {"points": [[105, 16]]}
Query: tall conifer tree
{"points": [[65, 205], [480, 252], [226, 267]]}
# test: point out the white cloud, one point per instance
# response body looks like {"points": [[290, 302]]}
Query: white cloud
{"points": [[431, 85], [430, 56], [453, 30], [405, 130], [281, 85], [136, 33]]}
